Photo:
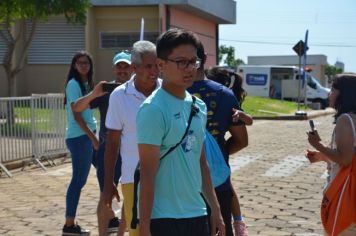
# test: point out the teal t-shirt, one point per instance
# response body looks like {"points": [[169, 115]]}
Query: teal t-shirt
{"points": [[162, 121], [73, 92]]}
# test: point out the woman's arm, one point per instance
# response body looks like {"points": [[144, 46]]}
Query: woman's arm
{"points": [[344, 139], [83, 103], [79, 119]]}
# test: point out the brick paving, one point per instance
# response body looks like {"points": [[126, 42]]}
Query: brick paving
{"points": [[279, 190]]}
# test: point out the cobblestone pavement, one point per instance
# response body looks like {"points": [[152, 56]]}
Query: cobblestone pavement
{"points": [[279, 190]]}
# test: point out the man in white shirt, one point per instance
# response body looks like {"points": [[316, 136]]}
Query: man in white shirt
{"points": [[124, 104]]}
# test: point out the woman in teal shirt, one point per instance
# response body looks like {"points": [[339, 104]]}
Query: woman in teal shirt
{"points": [[80, 136]]}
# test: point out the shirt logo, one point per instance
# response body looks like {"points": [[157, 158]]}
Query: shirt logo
{"points": [[177, 116], [189, 142]]}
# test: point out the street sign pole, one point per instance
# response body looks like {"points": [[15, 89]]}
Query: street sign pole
{"points": [[304, 67], [299, 49], [299, 81]]}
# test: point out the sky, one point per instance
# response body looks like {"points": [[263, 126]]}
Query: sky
{"points": [[273, 27]]}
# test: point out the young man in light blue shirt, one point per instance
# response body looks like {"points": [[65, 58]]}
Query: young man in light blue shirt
{"points": [[170, 201]]}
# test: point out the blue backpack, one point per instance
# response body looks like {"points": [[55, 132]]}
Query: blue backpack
{"points": [[219, 170]]}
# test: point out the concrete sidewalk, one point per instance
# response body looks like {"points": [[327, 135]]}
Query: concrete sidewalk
{"points": [[279, 191]]}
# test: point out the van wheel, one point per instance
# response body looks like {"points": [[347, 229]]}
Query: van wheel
{"points": [[323, 102]]}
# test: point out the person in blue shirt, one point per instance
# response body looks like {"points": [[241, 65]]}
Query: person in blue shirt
{"points": [[122, 69], [222, 105], [80, 136], [170, 201]]}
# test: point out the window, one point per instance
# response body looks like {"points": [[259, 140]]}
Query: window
{"points": [[55, 42], [2, 50], [124, 40], [2, 46]]}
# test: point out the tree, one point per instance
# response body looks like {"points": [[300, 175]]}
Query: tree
{"points": [[24, 16], [331, 71], [230, 56]]}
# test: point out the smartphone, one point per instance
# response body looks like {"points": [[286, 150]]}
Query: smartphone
{"points": [[109, 87], [312, 126]]}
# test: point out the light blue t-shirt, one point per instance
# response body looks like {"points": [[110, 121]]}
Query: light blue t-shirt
{"points": [[162, 121], [73, 92]]}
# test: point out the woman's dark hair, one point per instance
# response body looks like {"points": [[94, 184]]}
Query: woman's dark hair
{"points": [[74, 74], [229, 79], [346, 100]]}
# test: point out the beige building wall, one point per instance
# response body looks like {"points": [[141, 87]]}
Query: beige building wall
{"points": [[117, 19], [206, 31], [42, 78]]}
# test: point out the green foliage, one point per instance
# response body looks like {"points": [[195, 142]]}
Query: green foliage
{"points": [[13, 10], [260, 106], [230, 56], [27, 13], [331, 70]]}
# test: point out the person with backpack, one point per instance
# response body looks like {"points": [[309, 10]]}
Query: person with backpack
{"points": [[233, 81], [172, 121], [222, 104], [338, 207], [124, 104]]}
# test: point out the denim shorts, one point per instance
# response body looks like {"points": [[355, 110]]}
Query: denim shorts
{"points": [[98, 162]]}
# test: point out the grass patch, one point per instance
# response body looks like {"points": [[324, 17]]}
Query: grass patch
{"points": [[23, 130], [46, 122], [260, 106]]}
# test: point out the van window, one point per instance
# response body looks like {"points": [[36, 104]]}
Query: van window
{"points": [[312, 82]]}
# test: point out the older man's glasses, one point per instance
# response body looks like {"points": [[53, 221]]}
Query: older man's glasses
{"points": [[183, 64]]}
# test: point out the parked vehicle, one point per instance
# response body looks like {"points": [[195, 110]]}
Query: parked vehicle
{"points": [[282, 82]]}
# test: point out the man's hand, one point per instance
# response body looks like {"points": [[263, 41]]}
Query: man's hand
{"points": [[109, 193], [217, 223]]}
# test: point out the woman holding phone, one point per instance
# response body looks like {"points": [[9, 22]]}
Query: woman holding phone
{"points": [[80, 136], [338, 209]]}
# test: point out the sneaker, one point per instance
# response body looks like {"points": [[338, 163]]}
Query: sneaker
{"points": [[74, 230], [240, 228], [113, 225]]}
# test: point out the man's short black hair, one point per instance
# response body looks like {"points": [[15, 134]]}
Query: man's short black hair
{"points": [[173, 38], [201, 54]]}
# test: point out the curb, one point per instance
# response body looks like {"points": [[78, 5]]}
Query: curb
{"points": [[310, 115]]}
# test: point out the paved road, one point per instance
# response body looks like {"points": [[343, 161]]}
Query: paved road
{"points": [[279, 190]]}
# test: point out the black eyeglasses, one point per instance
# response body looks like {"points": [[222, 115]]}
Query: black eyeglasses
{"points": [[83, 63], [183, 64]]}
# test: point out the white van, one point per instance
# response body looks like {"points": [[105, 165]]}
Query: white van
{"points": [[281, 82]]}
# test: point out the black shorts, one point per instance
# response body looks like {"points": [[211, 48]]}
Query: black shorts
{"points": [[180, 227]]}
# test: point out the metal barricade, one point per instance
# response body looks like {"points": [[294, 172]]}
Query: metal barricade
{"points": [[49, 126], [32, 127], [15, 130]]}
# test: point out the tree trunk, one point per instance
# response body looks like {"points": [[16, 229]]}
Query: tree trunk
{"points": [[10, 110]]}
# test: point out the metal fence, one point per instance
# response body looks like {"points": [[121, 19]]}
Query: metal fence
{"points": [[32, 127]]}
